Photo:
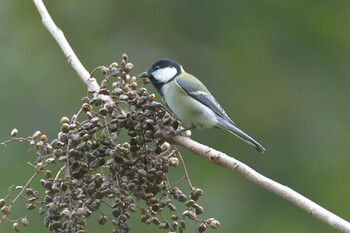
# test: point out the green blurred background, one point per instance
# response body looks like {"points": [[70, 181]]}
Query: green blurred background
{"points": [[279, 68]]}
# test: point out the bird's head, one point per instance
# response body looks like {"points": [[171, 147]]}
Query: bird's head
{"points": [[162, 71]]}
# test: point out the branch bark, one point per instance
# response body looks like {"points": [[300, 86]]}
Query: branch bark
{"points": [[287, 193], [61, 40], [215, 156]]}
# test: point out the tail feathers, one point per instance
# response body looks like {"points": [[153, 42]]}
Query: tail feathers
{"points": [[239, 133]]}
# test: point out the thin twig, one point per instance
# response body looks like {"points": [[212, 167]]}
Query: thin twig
{"points": [[185, 170], [59, 172], [21, 192], [4, 143], [24, 187]]}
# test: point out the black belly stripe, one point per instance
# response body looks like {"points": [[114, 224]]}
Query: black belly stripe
{"points": [[158, 86]]}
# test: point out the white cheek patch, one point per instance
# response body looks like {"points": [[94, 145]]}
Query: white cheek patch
{"points": [[165, 74]]}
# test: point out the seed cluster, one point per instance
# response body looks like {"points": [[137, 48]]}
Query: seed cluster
{"points": [[111, 154]]}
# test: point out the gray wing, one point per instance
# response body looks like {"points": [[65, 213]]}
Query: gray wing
{"points": [[199, 92]]}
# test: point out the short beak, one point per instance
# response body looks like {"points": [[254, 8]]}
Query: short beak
{"points": [[144, 75]]}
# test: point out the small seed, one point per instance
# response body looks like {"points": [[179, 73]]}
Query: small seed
{"points": [[14, 132], [174, 162], [86, 107], [16, 227], [25, 221], [214, 224], [64, 120], [43, 138], [65, 128], [128, 67], [202, 227], [5, 210], [102, 220], [2, 202]]}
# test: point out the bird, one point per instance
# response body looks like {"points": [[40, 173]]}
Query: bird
{"points": [[190, 101]]}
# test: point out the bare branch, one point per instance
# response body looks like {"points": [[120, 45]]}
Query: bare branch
{"points": [[72, 59], [287, 193], [215, 156]]}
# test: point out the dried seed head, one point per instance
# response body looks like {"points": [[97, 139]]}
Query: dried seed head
{"points": [[190, 203], [86, 107], [196, 193], [104, 91], [165, 146], [64, 120], [146, 80], [103, 111], [14, 132], [104, 70], [40, 167], [133, 85], [155, 221], [174, 225], [125, 57], [189, 214], [113, 65], [128, 67], [65, 213], [180, 196], [55, 225], [25, 221], [2, 202], [57, 153], [43, 138], [5, 210], [171, 206], [47, 174], [36, 134], [41, 211], [103, 84], [80, 212], [182, 224], [63, 137], [199, 209], [214, 224], [173, 161], [164, 225], [102, 220], [127, 78], [202, 227], [151, 97], [85, 99], [16, 227], [65, 128], [137, 165]]}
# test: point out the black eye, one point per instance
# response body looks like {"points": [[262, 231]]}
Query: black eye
{"points": [[156, 67]]}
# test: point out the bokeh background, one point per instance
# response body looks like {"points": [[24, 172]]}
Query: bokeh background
{"points": [[279, 68]]}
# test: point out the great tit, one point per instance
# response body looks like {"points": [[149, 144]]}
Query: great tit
{"points": [[190, 101]]}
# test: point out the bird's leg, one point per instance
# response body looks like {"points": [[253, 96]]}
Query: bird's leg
{"points": [[179, 131], [155, 104]]}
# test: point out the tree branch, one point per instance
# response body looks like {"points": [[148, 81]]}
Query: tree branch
{"points": [[287, 193], [213, 155], [61, 40]]}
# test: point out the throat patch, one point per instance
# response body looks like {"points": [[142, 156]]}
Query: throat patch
{"points": [[159, 86]]}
